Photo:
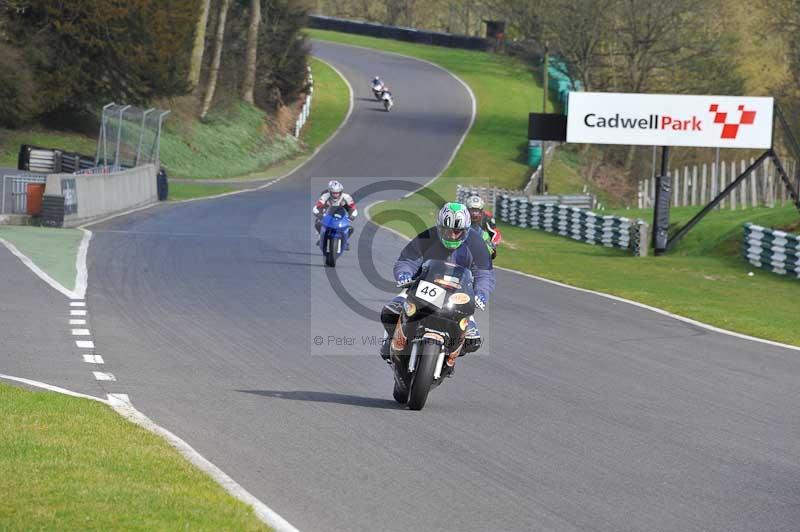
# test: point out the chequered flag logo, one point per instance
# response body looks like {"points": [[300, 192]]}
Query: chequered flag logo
{"points": [[731, 129]]}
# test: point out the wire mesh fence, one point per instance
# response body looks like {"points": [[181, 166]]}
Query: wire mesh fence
{"points": [[129, 136]]}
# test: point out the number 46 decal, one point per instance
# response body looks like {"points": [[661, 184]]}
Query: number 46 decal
{"points": [[431, 293]]}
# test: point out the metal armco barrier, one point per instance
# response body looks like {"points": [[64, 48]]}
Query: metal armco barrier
{"points": [[578, 224], [401, 34], [776, 251]]}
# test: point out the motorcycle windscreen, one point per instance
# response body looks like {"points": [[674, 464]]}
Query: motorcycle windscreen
{"points": [[336, 217]]}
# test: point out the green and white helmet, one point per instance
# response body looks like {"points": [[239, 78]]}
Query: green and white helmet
{"points": [[453, 225]]}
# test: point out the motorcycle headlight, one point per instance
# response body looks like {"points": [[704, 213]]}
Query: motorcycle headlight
{"points": [[410, 308], [459, 298], [463, 323]]}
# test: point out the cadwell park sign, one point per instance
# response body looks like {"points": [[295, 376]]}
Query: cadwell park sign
{"points": [[670, 120]]}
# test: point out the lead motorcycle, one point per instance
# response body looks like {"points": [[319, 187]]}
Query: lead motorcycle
{"points": [[388, 102], [430, 330], [377, 90]]}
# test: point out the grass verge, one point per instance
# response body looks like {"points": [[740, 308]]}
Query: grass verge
{"points": [[52, 250], [183, 191], [73, 464], [231, 142], [704, 278]]}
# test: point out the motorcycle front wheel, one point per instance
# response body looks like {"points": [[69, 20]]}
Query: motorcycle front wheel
{"points": [[423, 376], [332, 252]]}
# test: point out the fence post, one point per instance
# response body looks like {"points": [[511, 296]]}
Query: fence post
{"points": [[676, 180], [703, 186], [769, 199], [684, 197], [733, 190], [694, 185], [640, 197], [714, 177], [743, 188], [723, 175]]}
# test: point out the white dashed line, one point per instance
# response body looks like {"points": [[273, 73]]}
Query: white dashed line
{"points": [[102, 376], [84, 344], [93, 359], [81, 332], [77, 313], [77, 322], [77, 303]]}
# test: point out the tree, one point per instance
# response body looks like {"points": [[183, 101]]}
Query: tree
{"points": [[214, 71], [282, 54], [578, 31], [198, 49], [83, 53], [252, 51]]}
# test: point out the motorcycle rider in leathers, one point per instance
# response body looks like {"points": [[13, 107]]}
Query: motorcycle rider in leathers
{"points": [[333, 196], [451, 240]]}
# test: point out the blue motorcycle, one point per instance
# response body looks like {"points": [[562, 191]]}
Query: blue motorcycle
{"points": [[334, 234]]}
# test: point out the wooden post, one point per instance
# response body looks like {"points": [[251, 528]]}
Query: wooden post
{"points": [[714, 182], [694, 185], [652, 191], [743, 187], [732, 169], [545, 90], [770, 184], [722, 176], [640, 195], [703, 186], [676, 181], [754, 186], [770, 189], [646, 194], [685, 198]]}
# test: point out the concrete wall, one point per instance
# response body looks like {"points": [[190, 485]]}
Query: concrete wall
{"points": [[101, 195]]}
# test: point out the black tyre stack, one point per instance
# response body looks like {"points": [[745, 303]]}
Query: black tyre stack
{"points": [[52, 211]]}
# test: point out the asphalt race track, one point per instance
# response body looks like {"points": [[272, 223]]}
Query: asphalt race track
{"points": [[581, 414]]}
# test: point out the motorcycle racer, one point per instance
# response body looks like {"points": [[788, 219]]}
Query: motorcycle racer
{"points": [[483, 222], [451, 240]]}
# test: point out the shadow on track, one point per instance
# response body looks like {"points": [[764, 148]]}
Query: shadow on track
{"points": [[326, 397]]}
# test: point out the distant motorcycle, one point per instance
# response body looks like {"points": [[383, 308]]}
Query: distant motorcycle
{"points": [[386, 97], [335, 231], [377, 90], [431, 329]]}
